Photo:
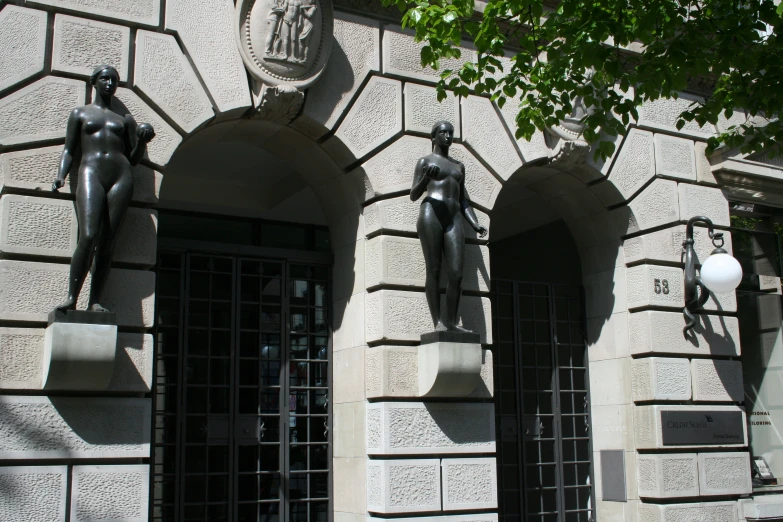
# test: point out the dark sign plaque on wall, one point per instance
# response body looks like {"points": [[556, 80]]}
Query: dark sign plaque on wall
{"points": [[702, 427]]}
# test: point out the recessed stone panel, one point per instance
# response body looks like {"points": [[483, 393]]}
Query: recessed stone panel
{"points": [[635, 164], [410, 428], [110, 493], [21, 350], [666, 245], [470, 484], [400, 215], [29, 291], [717, 380], [391, 170], [36, 169], [671, 475], [144, 12], [675, 157], [166, 140], [423, 110], [355, 52], [206, 28], [655, 332], [394, 260], [701, 512], [663, 114], [649, 426], [724, 474], [402, 56], [653, 285], [696, 200], [80, 45], [23, 41], [403, 486], [661, 379], [656, 205], [375, 118], [486, 135], [66, 427], [33, 493], [39, 111], [403, 316], [164, 74]]}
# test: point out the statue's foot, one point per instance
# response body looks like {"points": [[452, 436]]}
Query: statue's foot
{"points": [[70, 304], [440, 327], [98, 308], [460, 329]]}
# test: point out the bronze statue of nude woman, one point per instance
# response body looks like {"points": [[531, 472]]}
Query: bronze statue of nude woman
{"points": [[110, 143], [440, 223]]}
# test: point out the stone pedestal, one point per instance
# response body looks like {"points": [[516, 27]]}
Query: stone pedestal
{"points": [[449, 364], [79, 350]]}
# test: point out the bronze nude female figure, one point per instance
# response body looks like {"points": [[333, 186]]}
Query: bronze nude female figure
{"points": [[110, 143], [440, 223]]}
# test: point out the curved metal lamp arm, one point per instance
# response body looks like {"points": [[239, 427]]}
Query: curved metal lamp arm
{"points": [[696, 294]]}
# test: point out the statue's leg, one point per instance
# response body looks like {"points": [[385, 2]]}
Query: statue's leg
{"points": [[90, 204], [454, 250], [118, 198], [431, 235]]}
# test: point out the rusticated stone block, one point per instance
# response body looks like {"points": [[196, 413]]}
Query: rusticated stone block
{"points": [[470, 484], [715, 380], [635, 165], [700, 512], [402, 56], [375, 118], [167, 139], [159, 65], [73, 427], [648, 425], [36, 169], [394, 260], [487, 136], [29, 291], [355, 52], [80, 45], [769, 311], [133, 364], [144, 12], [661, 332], [391, 170], [422, 109], [724, 474], [661, 379], [110, 493], [33, 493], [696, 200], [39, 111], [670, 475], [403, 486], [400, 215], [761, 507], [666, 245], [675, 157], [532, 150], [23, 41], [656, 205], [207, 30], [404, 316], [703, 167], [663, 114], [412, 428], [481, 186], [647, 286]]}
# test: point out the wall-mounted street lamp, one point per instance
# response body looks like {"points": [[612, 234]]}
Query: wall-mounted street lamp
{"points": [[719, 274]]}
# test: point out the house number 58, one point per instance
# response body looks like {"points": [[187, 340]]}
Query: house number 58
{"points": [[661, 286]]}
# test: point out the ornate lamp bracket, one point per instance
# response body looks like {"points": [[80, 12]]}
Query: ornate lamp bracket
{"points": [[696, 292]]}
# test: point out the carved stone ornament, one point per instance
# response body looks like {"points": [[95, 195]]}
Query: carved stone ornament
{"points": [[280, 104], [285, 41]]}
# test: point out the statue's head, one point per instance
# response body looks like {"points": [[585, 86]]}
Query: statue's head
{"points": [[442, 133], [105, 79]]}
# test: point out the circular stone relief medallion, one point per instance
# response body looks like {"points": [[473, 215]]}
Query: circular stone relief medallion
{"points": [[285, 41]]}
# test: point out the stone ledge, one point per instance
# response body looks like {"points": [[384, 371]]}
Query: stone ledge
{"points": [[412, 428]]}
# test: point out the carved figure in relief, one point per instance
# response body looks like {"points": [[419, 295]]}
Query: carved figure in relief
{"points": [[440, 223], [289, 27], [110, 142], [274, 21]]}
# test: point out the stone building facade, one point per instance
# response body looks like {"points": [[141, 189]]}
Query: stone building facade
{"points": [[578, 432]]}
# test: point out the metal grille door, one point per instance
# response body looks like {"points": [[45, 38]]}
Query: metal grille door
{"points": [[241, 399], [542, 403]]}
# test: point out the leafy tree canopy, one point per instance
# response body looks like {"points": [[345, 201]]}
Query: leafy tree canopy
{"points": [[614, 55]]}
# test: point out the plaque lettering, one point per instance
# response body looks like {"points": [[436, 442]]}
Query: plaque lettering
{"points": [[702, 427]]}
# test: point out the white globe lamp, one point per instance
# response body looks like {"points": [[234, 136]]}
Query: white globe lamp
{"points": [[721, 272]]}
